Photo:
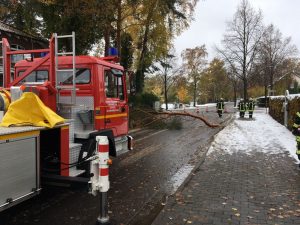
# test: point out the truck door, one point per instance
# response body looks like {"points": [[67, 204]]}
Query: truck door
{"points": [[116, 107]]}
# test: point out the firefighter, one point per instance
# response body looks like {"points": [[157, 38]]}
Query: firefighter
{"points": [[220, 107], [250, 107], [296, 132], [242, 108]]}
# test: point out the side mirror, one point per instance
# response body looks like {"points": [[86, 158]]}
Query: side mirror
{"points": [[117, 73]]}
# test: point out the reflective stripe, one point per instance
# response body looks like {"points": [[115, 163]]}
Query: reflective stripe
{"points": [[220, 106], [20, 135], [111, 116]]}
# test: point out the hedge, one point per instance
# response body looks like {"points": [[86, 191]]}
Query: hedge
{"points": [[277, 112]]}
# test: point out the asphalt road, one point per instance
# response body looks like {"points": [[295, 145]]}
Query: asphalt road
{"points": [[141, 180]]}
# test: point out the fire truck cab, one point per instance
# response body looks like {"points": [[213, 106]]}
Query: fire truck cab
{"points": [[88, 92]]}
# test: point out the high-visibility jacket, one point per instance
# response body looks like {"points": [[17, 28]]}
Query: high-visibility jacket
{"points": [[251, 106], [220, 105], [296, 131], [242, 106]]}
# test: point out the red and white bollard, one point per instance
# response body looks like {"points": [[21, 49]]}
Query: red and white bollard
{"points": [[100, 180]]}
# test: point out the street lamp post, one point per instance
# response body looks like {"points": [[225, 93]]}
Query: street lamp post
{"points": [[285, 107]]}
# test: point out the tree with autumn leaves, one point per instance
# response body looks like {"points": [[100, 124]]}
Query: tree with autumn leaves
{"points": [[143, 28]]}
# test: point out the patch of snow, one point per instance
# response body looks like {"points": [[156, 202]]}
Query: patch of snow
{"points": [[290, 96], [170, 106], [261, 134], [178, 178]]}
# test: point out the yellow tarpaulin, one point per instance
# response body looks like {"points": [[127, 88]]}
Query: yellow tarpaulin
{"points": [[30, 110]]}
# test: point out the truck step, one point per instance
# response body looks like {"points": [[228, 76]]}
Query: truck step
{"points": [[74, 152], [73, 172], [83, 134], [121, 145]]}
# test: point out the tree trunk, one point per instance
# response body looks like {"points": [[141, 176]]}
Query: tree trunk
{"points": [[166, 91], [245, 89], [271, 79], [139, 81], [141, 64], [119, 23], [195, 88], [266, 95], [107, 41], [234, 93]]}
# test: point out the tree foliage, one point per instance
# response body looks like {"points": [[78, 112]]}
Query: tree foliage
{"points": [[21, 15], [147, 26], [161, 20], [193, 64], [214, 82]]}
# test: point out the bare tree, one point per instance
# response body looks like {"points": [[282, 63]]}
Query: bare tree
{"points": [[167, 71], [233, 77], [241, 40], [193, 63], [273, 52]]}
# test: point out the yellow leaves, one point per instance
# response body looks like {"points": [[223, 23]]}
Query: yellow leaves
{"points": [[182, 94]]}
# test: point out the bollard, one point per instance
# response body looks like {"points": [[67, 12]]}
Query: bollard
{"points": [[206, 109], [103, 179], [197, 110]]}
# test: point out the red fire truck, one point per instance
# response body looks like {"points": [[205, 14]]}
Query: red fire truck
{"points": [[89, 92]]}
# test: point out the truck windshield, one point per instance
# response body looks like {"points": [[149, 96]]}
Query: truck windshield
{"points": [[82, 76], [35, 76]]}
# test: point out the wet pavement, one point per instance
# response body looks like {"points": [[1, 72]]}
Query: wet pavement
{"points": [[141, 180], [256, 188]]}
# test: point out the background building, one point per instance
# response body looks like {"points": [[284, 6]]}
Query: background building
{"points": [[18, 40]]}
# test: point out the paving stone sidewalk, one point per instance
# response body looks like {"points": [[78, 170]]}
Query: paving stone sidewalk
{"points": [[238, 188]]}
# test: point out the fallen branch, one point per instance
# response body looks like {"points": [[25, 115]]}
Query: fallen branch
{"points": [[191, 115]]}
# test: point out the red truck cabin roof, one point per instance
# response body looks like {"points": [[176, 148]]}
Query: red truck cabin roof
{"points": [[67, 60]]}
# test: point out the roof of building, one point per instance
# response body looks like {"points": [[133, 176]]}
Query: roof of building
{"points": [[10, 29]]}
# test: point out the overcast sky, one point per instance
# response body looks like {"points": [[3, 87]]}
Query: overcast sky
{"points": [[211, 16]]}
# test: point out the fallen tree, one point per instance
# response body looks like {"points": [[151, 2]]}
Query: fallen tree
{"points": [[151, 116], [190, 115]]}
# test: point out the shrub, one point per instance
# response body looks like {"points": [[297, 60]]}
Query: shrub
{"points": [[174, 123], [144, 99], [276, 110]]}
